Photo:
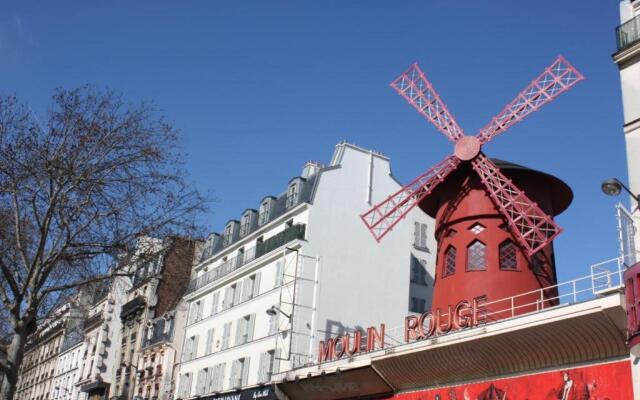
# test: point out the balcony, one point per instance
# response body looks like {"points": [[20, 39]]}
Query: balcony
{"points": [[131, 307], [289, 234], [160, 333], [628, 33]]}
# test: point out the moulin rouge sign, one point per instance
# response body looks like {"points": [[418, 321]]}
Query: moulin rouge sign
{"points": [[465, 314]]}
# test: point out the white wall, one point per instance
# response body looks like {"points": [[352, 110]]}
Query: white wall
{"points": [[362, 283]]}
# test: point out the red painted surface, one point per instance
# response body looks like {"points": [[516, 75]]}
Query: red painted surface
{"points": [[461, 203], [598, 382], [632, 296]]}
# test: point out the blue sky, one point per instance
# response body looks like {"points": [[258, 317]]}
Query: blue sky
{"points": [[259, 87]]}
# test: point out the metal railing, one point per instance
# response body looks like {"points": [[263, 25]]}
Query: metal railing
{"points": [[606, 277], [291, 233], [628, 33]]}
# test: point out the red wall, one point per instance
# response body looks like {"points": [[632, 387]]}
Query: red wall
{"points": [[598, 382]]}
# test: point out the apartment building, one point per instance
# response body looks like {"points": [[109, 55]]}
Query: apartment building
{"points": [[101, 331], [143, 367], [627, 57], [38, 368], [290, 273]]}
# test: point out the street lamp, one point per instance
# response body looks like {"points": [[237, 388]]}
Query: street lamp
{"points": [[273, 310], [613, 187]]}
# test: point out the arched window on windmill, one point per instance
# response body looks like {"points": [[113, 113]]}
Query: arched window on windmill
{"points": [[476, 256], [449, 266], [508, 256]]}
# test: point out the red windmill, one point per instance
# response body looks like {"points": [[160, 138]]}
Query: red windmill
{"points": [[531, 227]]}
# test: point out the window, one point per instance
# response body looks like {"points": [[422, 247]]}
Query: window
{"points": [[292, 195], [449, 261], [201, 381], [218, 377], [244, 329], [267, 367], [190, 348], [185, 385], [231, 296], [239, 373], [507, 254], [228, 234], [251, 287], [418, 305], [263, 214], [420, 235], [418, 271], [476, 260], [477, 228], [245, 226], [195, 312]]}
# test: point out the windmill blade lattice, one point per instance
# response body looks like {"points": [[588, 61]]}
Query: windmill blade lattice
{"points": [[531, 226], [382, 217], [556, 79], [414, 86]]}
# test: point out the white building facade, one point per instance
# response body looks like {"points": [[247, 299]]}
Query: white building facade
{"points": [[299, 269], [628, 60]]}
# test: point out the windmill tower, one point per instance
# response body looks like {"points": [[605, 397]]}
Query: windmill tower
{"points": [[494, 241]]}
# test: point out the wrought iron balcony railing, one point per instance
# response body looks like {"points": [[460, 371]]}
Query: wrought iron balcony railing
{"points": [[132, 306], [628, 33], [291, 233]]}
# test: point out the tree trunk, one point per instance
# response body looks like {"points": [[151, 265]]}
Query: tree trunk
{"points": [[15, 352]]}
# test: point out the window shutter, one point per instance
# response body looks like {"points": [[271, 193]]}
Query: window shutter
{"points": [[245, 371], [273, 324], [214, 303], [423, 235], [246, 289], [232, 377], [199, 383], [256, 285], [225, 335], [194, 350], [200, 307], [187, 389], [208, 348], [185, 350], [278, 278], [190, 317], [223, 368], [236, 298], [251, 323], [227, 298], [416, 234], [240, 329], [262, 368], [276, 362]]}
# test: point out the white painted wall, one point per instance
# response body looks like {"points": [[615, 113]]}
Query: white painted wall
{"points": [[362, 283]]}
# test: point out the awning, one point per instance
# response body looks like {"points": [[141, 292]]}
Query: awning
{"points": [[353, 383]]}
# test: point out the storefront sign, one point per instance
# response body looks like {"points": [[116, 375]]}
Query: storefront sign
{"points": [[351, 344], [259, 393], [465, 314]]}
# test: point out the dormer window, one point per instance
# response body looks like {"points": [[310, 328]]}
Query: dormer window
{"points": [[246, 223], [265, 211], [292, 195], [230, 232]]}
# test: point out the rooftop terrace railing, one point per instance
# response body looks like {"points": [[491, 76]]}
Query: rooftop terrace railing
{"points": [[291, 233], [628, 33], [605, 278]]}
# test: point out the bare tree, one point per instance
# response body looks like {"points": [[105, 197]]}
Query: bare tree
{"points": [[76, 192]]}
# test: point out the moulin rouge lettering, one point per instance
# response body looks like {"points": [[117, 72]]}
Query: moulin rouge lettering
{"points": [[351, 344], [465, 314]]}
